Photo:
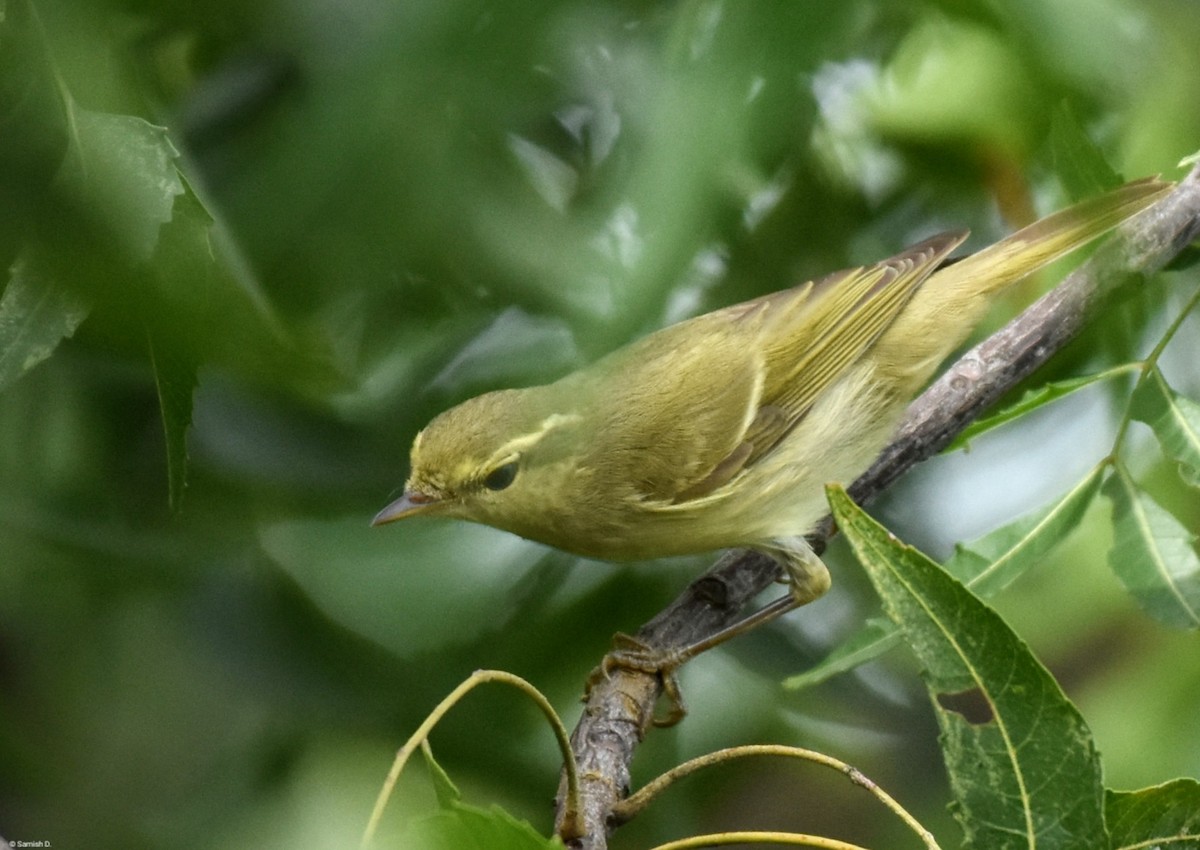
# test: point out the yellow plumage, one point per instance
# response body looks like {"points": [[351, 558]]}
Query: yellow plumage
{"points": [[721, 431]]}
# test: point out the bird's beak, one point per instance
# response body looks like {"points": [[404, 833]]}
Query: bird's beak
{"points": [[413, 502]]}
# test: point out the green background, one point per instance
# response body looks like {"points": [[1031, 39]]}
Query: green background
{"points": [[418, 201]]}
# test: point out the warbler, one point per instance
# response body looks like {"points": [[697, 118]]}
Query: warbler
{"points": [[722, 431]]}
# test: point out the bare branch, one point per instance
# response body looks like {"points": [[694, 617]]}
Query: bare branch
{"points": [[619, 710]]}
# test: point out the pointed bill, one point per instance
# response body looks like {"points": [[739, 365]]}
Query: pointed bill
{"points": [[413, 502]]}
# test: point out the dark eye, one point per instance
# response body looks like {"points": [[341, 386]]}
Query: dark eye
{"points": [[500, 477]]}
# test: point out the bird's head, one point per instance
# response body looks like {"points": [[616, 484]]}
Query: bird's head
{"points": [[492, 459]]}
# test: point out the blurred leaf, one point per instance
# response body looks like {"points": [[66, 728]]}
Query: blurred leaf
{"points": [[868, 643], [1078, 163], [1166, 815], [1175, 419], [991, 563], [461, 826], [1031, 400], [121, 171], [1153, 555], [34, 135], [382, 582], [953, 80], [1023, 768], [175, 379], [514, 347], [188, 290], [195, 276], [986, 566], [37, 311]]}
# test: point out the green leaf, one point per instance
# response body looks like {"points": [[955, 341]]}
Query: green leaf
{"points": [[461, 826], [1153, 554], [1022, 765], [175, 380], [444, 788], [471, 828], [1166, 816], [954, 79], [1175, 419], [1078, 163], [987, 566], [387, 596], [121, 169], [1031, 400], [993, 562], [203, 282], [37, 312], [869, 642]]}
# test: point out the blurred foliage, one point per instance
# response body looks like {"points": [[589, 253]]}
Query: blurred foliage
{"points": [[360, 212]]}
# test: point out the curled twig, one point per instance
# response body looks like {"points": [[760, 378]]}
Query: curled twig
{"points": [[570, 822], [629, 808]]}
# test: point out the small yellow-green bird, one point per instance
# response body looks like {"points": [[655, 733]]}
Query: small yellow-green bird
{"points": [[723, 430]]}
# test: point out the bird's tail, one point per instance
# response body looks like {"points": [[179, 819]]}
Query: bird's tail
{"points": [[1046, 240], [944, 311]]}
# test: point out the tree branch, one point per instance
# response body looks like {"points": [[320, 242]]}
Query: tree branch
{"points": [[619, 709]]}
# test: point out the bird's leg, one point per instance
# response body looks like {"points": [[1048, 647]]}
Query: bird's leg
{"points": [[806, 572], [808, 578]]}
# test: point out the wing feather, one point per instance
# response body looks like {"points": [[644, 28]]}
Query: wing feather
{"points": [[723, 389], [809, 353]]}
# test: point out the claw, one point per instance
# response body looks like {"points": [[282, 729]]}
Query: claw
{"points": [[629, 653], [808, 578]]}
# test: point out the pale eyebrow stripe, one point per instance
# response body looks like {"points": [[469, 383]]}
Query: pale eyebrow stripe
{"points": [[550, 423]]}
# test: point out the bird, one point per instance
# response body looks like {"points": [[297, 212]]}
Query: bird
{"points": [[722, 431]]}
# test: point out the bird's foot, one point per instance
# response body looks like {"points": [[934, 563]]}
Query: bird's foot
{"points": [[808, 579], [630, 653]]}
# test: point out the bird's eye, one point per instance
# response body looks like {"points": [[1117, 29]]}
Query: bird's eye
{"points": [[502, 476]]}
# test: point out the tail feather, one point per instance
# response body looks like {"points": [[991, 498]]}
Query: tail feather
{"points": [[944, 311], [1046, 240]]}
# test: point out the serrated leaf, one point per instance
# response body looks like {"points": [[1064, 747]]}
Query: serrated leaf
{"points": [[986, 565], [1175, 419], [122, 170], [1031, 400], [1166, 816], [1153, 554], [175, 379], [1024, 770], [194, 272], [37, 312]]}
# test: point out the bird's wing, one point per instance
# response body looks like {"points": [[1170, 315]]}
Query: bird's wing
{"points": [[688, 399], [809, 345], [722, 389], [754, 370]]}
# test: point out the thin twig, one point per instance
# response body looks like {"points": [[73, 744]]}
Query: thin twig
{"points": [[619, 709], [789, 839], [569, 809], [631, 807]]}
